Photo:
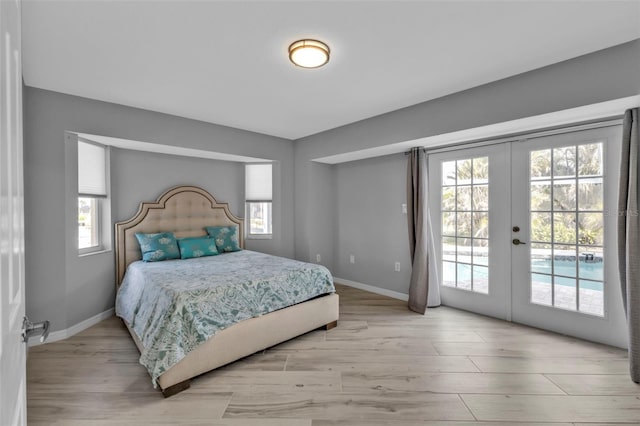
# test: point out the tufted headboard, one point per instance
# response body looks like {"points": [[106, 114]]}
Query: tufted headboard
{"points": [[183, 210]]}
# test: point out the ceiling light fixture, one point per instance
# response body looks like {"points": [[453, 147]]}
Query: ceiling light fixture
{"points": [[308, 53]]}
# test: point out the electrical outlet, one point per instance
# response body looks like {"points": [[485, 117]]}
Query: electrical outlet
{"points": [[352, 259], [318, 258], [397, 267], [404, 208]]}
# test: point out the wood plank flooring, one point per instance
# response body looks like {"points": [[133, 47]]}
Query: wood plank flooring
{"points": [[382, 365]]}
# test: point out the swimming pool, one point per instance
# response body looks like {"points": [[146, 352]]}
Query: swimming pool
{"points": [[589, 274]]}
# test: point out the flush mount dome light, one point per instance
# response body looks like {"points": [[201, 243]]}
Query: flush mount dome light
{"points": [[309, 53]]}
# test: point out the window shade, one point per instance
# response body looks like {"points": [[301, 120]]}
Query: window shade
{"points": [[92, 173], [258, 182]]}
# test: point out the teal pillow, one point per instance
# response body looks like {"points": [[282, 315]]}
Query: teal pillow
{"points": [[197, 247], [226, 237], [156, 247]]}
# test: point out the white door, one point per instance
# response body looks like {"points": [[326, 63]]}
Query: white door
{"points": [[548, 255], [471, 186], [564, 275], [12, 349]]}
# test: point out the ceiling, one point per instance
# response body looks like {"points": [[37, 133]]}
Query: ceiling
{"points": [[226, 62]]}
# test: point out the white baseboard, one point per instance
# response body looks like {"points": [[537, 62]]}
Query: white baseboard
{"points": [[74, 329], [372, 289]]}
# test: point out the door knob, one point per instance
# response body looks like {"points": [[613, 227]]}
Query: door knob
{"points": [[517, 242], [32, 329]]}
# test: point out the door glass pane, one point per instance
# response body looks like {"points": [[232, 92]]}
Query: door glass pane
{"points": [[564, 290], [481, 251], [481, 279], [541, 292], [567, 227], [465, 224]]}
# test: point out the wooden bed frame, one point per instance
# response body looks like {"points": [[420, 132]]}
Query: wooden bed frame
{"points": [[186, 211]]}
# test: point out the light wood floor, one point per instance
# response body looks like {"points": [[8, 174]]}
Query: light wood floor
{"points": [[381, 365]]}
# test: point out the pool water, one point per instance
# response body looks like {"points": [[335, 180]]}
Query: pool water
{"points": [[589, 274]]}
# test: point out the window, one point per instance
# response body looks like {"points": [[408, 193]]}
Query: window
{"points": [[567, 227], [258, 196], [92, 192], [465, 224]]}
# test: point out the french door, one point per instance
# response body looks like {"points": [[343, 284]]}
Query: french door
{"points": [[532, 239]]}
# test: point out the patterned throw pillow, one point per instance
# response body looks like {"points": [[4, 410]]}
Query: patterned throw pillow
{"points": [[156, 247], [197, 247], [226, 237]]}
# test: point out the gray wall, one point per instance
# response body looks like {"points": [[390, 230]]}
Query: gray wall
{"points": [[370, 224], [601, 76], [67, 289], [136, 175]]}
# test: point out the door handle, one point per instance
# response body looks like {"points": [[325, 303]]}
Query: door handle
{"points": [[517, 242], [31, 329]]}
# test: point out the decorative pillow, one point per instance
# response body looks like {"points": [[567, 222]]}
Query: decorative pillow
{"points": [[226, 237], [197, 247], [156, 247]]}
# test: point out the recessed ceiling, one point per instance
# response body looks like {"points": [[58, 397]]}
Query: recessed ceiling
{"points": [[227, 62]]}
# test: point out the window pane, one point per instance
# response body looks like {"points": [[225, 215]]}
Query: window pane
{"points": [[448, 223], [564, 260], [449, 274], [448, 198], [541, 195], [591, 229], [464, 276], [464, 198], [590, 195], [564, 228], [591, 297], [564, 195], [260, 218], [590, 158], [480, 225], [88, 224], [541, 289], [449, 173], [480, 197], [541, 227], [449, 249], [464, 171], [564, 161], [591, 263], [480, 252], [480, 170], [464, 225], [565, 295], [541, 258], [540, 163], [464, 250], [481, 279]]}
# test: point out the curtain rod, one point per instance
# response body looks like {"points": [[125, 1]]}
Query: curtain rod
{"points": [[409, 152]]}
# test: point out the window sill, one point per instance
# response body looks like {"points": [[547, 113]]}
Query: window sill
{"points": [[259, 237], [91, 253]]}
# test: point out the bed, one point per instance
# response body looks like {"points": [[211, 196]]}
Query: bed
{"points": [[236, 331]]}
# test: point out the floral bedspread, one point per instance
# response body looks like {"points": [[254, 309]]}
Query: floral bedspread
{"points": [[175, 305]]}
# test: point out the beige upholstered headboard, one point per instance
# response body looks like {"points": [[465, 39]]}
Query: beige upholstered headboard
{"points": [[183, 210]]}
